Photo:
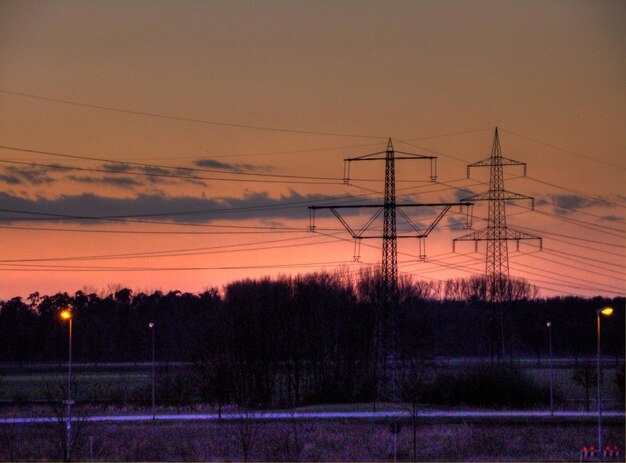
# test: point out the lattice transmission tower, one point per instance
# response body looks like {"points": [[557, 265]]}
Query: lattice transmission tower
{"points": [[386, 330], [497, 234]]}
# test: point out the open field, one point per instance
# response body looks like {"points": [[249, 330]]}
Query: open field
{"points": [[304, 441], [130, 383], [124, 389]]}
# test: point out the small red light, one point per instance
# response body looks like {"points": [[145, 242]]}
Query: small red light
{"points": [[584, 449], [615, 448], [592, 449], [607, 448]]}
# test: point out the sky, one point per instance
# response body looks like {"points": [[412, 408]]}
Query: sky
{"points": [[166, 146]]}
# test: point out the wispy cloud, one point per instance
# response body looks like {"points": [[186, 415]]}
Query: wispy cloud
{"points": [[91, 208], [121, 182], [457, 223], [10, 179], [462, 194], [232, 167], [567, 204], [117, 167], [33, 175], [613, 218]]}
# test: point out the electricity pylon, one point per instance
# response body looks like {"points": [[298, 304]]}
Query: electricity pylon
{"points": [[386, 330], [497, 234]]}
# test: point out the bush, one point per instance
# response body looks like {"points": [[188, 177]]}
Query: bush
{"points": [[492, 385]]}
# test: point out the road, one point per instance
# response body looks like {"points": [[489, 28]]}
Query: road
{"points": [[423, 416]]}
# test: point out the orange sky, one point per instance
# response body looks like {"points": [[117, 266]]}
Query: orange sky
{"points": [[287, 90]]}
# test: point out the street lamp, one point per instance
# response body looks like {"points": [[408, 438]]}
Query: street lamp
{"points": [[549, 325], [152, 327], [66, 314], [606, 311]]}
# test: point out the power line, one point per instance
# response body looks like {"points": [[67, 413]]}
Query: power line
{"points": [[161, 174], [462, 267], [585, 262], [602, 161], [444, 135], [146, 232], [607, 272], [578, 245], [181, 252], [529, 177], [576, 211], [158, 168], [187, 119], [73, 268], [582, 223], [570, 190], [569, 279]]}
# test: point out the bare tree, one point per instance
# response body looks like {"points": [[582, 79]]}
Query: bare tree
{"points": [[247, 429], [412, 392], [586, 376]]}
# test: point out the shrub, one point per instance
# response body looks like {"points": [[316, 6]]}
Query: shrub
{"points": [[489, 385]]}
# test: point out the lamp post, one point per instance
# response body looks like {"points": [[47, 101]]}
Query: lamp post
{"points": [[152, 327], [606, 311], [549, 325], [66, 314]]}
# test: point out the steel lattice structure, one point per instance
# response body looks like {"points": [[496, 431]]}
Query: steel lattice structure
{"points": [[390, 242], [386, 317], [497, 234]]}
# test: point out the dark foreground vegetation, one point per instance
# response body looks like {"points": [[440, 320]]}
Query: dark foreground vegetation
{"points": [[308, 339], [304, 441]]}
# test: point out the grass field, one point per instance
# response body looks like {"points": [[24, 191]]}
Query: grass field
{"points": [[105, 390], [131, 383], [304, 441]]}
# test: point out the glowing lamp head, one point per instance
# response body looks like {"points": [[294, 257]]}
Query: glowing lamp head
{"points": [[150, 325], [606, 311], [549, 324], [66, 314]]}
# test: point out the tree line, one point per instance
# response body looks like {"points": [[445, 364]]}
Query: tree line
{"points": [[291, 338]]}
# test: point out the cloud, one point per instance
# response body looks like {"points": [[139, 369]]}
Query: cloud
{"points": [[168, 208], [117, 167], [34, 175], [234, 167], [568, 203], [122, 182], [613, 218], [151, 175], [462, 194], [457, 223], [10, 179]]}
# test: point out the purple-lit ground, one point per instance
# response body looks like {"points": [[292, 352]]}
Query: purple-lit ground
{"points": [[330, 441]]}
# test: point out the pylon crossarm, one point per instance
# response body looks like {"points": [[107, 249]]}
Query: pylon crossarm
{"points": [[498, 195], [438, 219], [513, 234], [510, 234], [478, 235], [414, 156], [409, 221], [500, 161], [343, 222], [360, 206], [365, 157], [370, 221]]}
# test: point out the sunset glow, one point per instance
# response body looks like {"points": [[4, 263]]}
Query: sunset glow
{"points": [[154, 147]]}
